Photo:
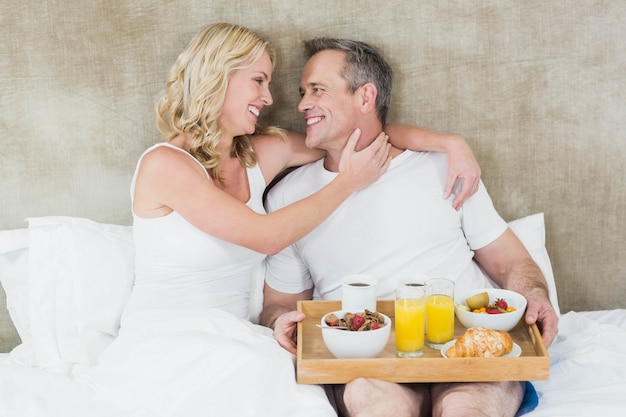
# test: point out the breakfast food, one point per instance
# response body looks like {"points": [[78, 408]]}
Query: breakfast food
{"points": [[479, 342], [368, 320], [479, 303]]}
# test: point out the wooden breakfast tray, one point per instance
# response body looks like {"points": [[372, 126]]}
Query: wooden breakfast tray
{"points": [[316, 365]]}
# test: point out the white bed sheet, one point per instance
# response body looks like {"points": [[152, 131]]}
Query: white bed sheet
{"points": [[34, 392], [196, 363], [587, 377], [587, 367]]}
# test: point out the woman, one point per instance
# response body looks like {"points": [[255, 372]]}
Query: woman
{"points": [[186, 346]]}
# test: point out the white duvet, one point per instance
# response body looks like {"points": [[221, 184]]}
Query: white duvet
{"points": [[587, 367], [587, 377], [187, 367]]}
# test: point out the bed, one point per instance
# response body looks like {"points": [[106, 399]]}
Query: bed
{"points": [[67, 279], [535, 87]]}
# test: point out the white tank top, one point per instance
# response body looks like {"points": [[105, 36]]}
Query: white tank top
{"points": [[180, 267]]}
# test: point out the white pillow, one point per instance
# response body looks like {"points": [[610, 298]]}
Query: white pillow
{"points": [[14, 279], [531, 231], [80, 275]]}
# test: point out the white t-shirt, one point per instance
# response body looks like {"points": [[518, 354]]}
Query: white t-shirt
{"points": [[400, 226]]}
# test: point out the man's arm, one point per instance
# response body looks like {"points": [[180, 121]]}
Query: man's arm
{"points": [[280, 313], [461, 161], [509, 264]]}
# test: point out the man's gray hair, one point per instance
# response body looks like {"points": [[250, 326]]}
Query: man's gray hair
{"points": [[364, 64]]}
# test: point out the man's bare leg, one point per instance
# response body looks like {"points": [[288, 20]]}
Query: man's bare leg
{"points": [[475, 399], [365, 397]]}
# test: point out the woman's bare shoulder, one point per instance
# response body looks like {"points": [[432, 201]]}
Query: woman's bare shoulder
{"points": [[167, 160], [165, 154], [261, 141]]}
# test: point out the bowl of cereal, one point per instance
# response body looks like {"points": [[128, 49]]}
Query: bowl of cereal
{"points": [[355, 334], [491, 308]]}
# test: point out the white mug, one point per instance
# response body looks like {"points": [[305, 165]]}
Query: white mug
{"points": [[358, 292]]}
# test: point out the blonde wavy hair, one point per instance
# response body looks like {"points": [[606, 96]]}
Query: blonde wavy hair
{"points": [[192, 100]]}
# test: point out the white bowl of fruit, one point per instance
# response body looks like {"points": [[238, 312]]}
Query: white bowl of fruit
{"points": [[492, 308]]}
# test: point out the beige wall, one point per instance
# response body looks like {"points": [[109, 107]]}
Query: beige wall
{"points": [[537, 88]]}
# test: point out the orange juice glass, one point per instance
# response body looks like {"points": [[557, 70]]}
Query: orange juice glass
{"points": [[439, 312], [409, 321]]}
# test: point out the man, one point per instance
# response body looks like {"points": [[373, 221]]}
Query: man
{"points": [[396, 227]]}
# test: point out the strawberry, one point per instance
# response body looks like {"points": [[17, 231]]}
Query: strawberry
{"points": [[375, 326], [491, 309], [500, 303], [357, 322]]}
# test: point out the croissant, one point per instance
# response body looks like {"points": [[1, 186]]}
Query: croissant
{"points": [[481, 342]]}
